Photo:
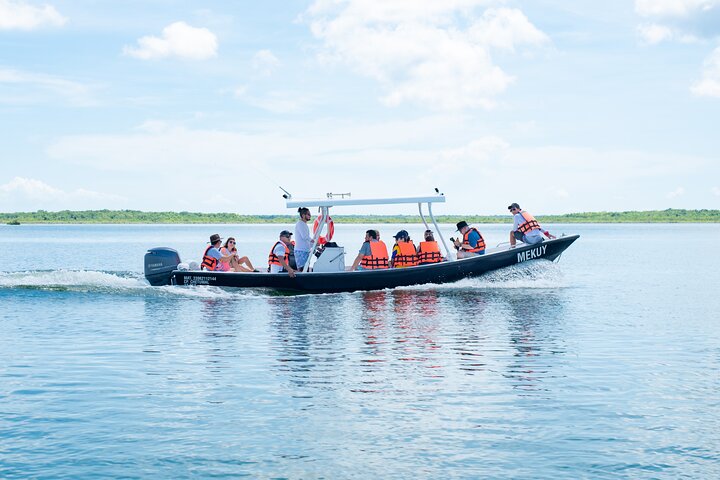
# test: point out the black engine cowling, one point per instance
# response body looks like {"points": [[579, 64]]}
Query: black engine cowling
{"points": [[159, 265]]}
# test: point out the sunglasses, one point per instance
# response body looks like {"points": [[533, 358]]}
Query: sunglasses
{"points": [[231, 241]]}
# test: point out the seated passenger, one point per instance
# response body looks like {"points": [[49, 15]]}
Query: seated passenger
{"points": [[373, 253], [404, 253], [279, 257], [428, 251], [525, 227], [213, 259], [236, 263], [472, 244]]}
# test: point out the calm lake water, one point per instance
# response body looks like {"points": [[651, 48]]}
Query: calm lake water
{"points": [[604, 365]]}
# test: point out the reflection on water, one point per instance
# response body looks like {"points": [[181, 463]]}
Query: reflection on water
{"points": [[533, 327], [368, 341]]}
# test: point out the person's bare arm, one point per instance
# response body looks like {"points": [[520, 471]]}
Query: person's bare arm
{"points": [[287, 267], [357, 261]]}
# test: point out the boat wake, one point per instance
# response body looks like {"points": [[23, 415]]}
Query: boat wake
{"points": [[534, 275], [531, 275], [106, 282]]}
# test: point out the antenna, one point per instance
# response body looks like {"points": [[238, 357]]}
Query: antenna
{"points": [[286, 195], [341, 195], [438, 192]]}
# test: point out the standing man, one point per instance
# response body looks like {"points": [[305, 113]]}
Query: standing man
{"points": [[303, 240], [472, 243], [525, 227], [278, 260]]}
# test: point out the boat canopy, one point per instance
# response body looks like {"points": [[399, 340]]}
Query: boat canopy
{"points": [[338, 202]]}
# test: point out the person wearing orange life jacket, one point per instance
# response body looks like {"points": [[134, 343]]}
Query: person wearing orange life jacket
{"points": [[525, 227], [213, 259], [404, 253], [472, 243], [428, 251], [373, 253], [278, 259]]}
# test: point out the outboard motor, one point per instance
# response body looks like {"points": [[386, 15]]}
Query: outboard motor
{"points": [[159, 265]]}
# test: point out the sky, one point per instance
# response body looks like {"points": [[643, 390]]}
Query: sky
{"points": [[210, 106]]}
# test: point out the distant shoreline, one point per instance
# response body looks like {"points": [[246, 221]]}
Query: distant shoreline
{"points": [[138, 217]]}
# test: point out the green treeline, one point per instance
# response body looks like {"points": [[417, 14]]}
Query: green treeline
{"points": [[136, 216]]}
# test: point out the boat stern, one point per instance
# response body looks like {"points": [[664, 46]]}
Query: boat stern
{"points": [[160, 262]]}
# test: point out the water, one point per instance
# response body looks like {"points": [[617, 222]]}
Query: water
{"points": [[604, 365]]}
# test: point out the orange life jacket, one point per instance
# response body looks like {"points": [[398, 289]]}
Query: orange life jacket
{"points": [[529, 224], [407, 257], [429, 252], [274, 259], [480, 244], [378, 257], [208, 262]]}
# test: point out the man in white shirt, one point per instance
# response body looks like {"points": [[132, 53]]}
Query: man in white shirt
{"points": [[525, 227], [303, 240]]}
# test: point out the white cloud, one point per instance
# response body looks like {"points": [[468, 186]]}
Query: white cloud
{"points": [[240, 91], [477, 158], [32, 194], [29, 187], [264, 62], [31, 86], [153, 126], [672, 8], [309, 156], [280, 102], [678, 192], [709, 85], [178, 40], [505, 28], [274, 101], [654, 33], [477, 151], [328, 154], [20, 15], [686, 21], [424, 51]]}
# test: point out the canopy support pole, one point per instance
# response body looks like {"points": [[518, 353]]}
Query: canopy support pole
{"points": [[422, 217], [437, 229]]}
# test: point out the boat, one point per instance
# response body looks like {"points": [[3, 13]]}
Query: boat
{"points": [[326, 273]]}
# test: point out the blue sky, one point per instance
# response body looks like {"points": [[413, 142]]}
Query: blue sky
{"points": [[208, 106]]}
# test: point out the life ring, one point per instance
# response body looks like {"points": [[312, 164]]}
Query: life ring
{"points": [[330, 232]]}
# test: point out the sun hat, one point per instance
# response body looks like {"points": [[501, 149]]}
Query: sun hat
{"points": [[461, 224], [286, 233], [401, 234], [214, 238]]}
